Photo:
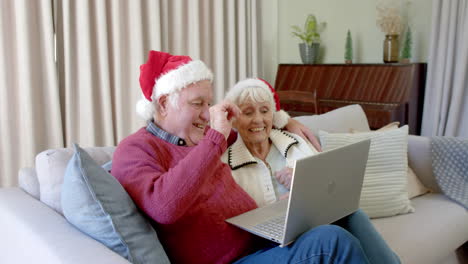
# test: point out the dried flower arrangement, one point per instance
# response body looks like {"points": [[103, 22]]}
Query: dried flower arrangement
{"points": [[389, 17]]}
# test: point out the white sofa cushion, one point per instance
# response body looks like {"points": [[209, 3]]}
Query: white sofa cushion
{"points": [[50, 169], [415, 187], [430, 234], [384, 191]]}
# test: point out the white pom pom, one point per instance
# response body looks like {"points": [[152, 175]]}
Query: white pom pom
{"points": [[145, 109], [280, 119]]}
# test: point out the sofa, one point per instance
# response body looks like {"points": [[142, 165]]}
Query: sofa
{"points": [[34, 229]]}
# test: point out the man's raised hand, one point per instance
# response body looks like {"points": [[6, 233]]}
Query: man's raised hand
{"points": [[221, 116]]}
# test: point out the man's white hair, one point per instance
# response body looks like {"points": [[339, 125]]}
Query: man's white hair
{"points": [[147, 110]]}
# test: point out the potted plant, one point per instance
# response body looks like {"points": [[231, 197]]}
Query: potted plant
{"points": [[310, 35]]}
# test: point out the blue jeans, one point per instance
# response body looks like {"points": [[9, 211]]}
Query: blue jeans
{"points": [[352, 239], [324, 244], [375, 248]]}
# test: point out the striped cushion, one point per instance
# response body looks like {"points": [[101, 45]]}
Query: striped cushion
{"points": [[384, 191]]}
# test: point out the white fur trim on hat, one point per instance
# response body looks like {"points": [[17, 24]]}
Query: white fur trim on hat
{"points": [[145, 108], [236, 91], [179, 78], [280, 119]]}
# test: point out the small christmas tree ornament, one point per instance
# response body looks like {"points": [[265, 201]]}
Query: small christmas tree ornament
{"points": [[348, 49], [407, 45]]}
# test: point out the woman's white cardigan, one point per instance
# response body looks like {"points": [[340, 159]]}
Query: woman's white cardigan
{"points": [[253, 175]]}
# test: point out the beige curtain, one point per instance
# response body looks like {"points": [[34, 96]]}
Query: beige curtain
{"points": [[100, 46], [29, 97], [445, 103]]}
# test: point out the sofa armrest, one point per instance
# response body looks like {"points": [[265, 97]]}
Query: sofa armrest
{"points": [[27, 179], [420, 160], [34, 233]]}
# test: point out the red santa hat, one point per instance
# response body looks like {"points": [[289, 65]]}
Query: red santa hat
{"points": [[164, 73], [280, 117]]}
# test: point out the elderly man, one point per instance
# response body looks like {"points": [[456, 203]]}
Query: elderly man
{"points": [[173, 172]]}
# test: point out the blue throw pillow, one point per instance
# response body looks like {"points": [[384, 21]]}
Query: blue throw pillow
{"points": [[96, 203], [107, 166]]}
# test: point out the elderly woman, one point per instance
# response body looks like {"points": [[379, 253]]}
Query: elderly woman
{"points": [[260, 156]]}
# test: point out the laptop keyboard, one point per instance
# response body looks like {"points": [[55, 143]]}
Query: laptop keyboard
{"points": [[273, 227]]}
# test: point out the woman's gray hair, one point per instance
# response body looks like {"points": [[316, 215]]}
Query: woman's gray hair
{"points": [[253, 89], [252, 93], [258, 91]]}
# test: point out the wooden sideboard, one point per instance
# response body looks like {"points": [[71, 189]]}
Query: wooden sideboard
{"points": [[386, 92]]}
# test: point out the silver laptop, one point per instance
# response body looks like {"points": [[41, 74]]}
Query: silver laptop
{"points": [[325, 188]]}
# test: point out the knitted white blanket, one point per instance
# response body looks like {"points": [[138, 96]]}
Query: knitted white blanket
{"points": [[450, 167]]}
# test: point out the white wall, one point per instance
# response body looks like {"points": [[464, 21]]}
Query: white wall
{"points": [[357, 15], [269, 37]]}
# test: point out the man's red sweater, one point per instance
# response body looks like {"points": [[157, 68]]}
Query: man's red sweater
{"points": [[188, 192]]}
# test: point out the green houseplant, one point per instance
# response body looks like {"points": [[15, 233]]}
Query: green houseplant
{"points": [[310, 35]]}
